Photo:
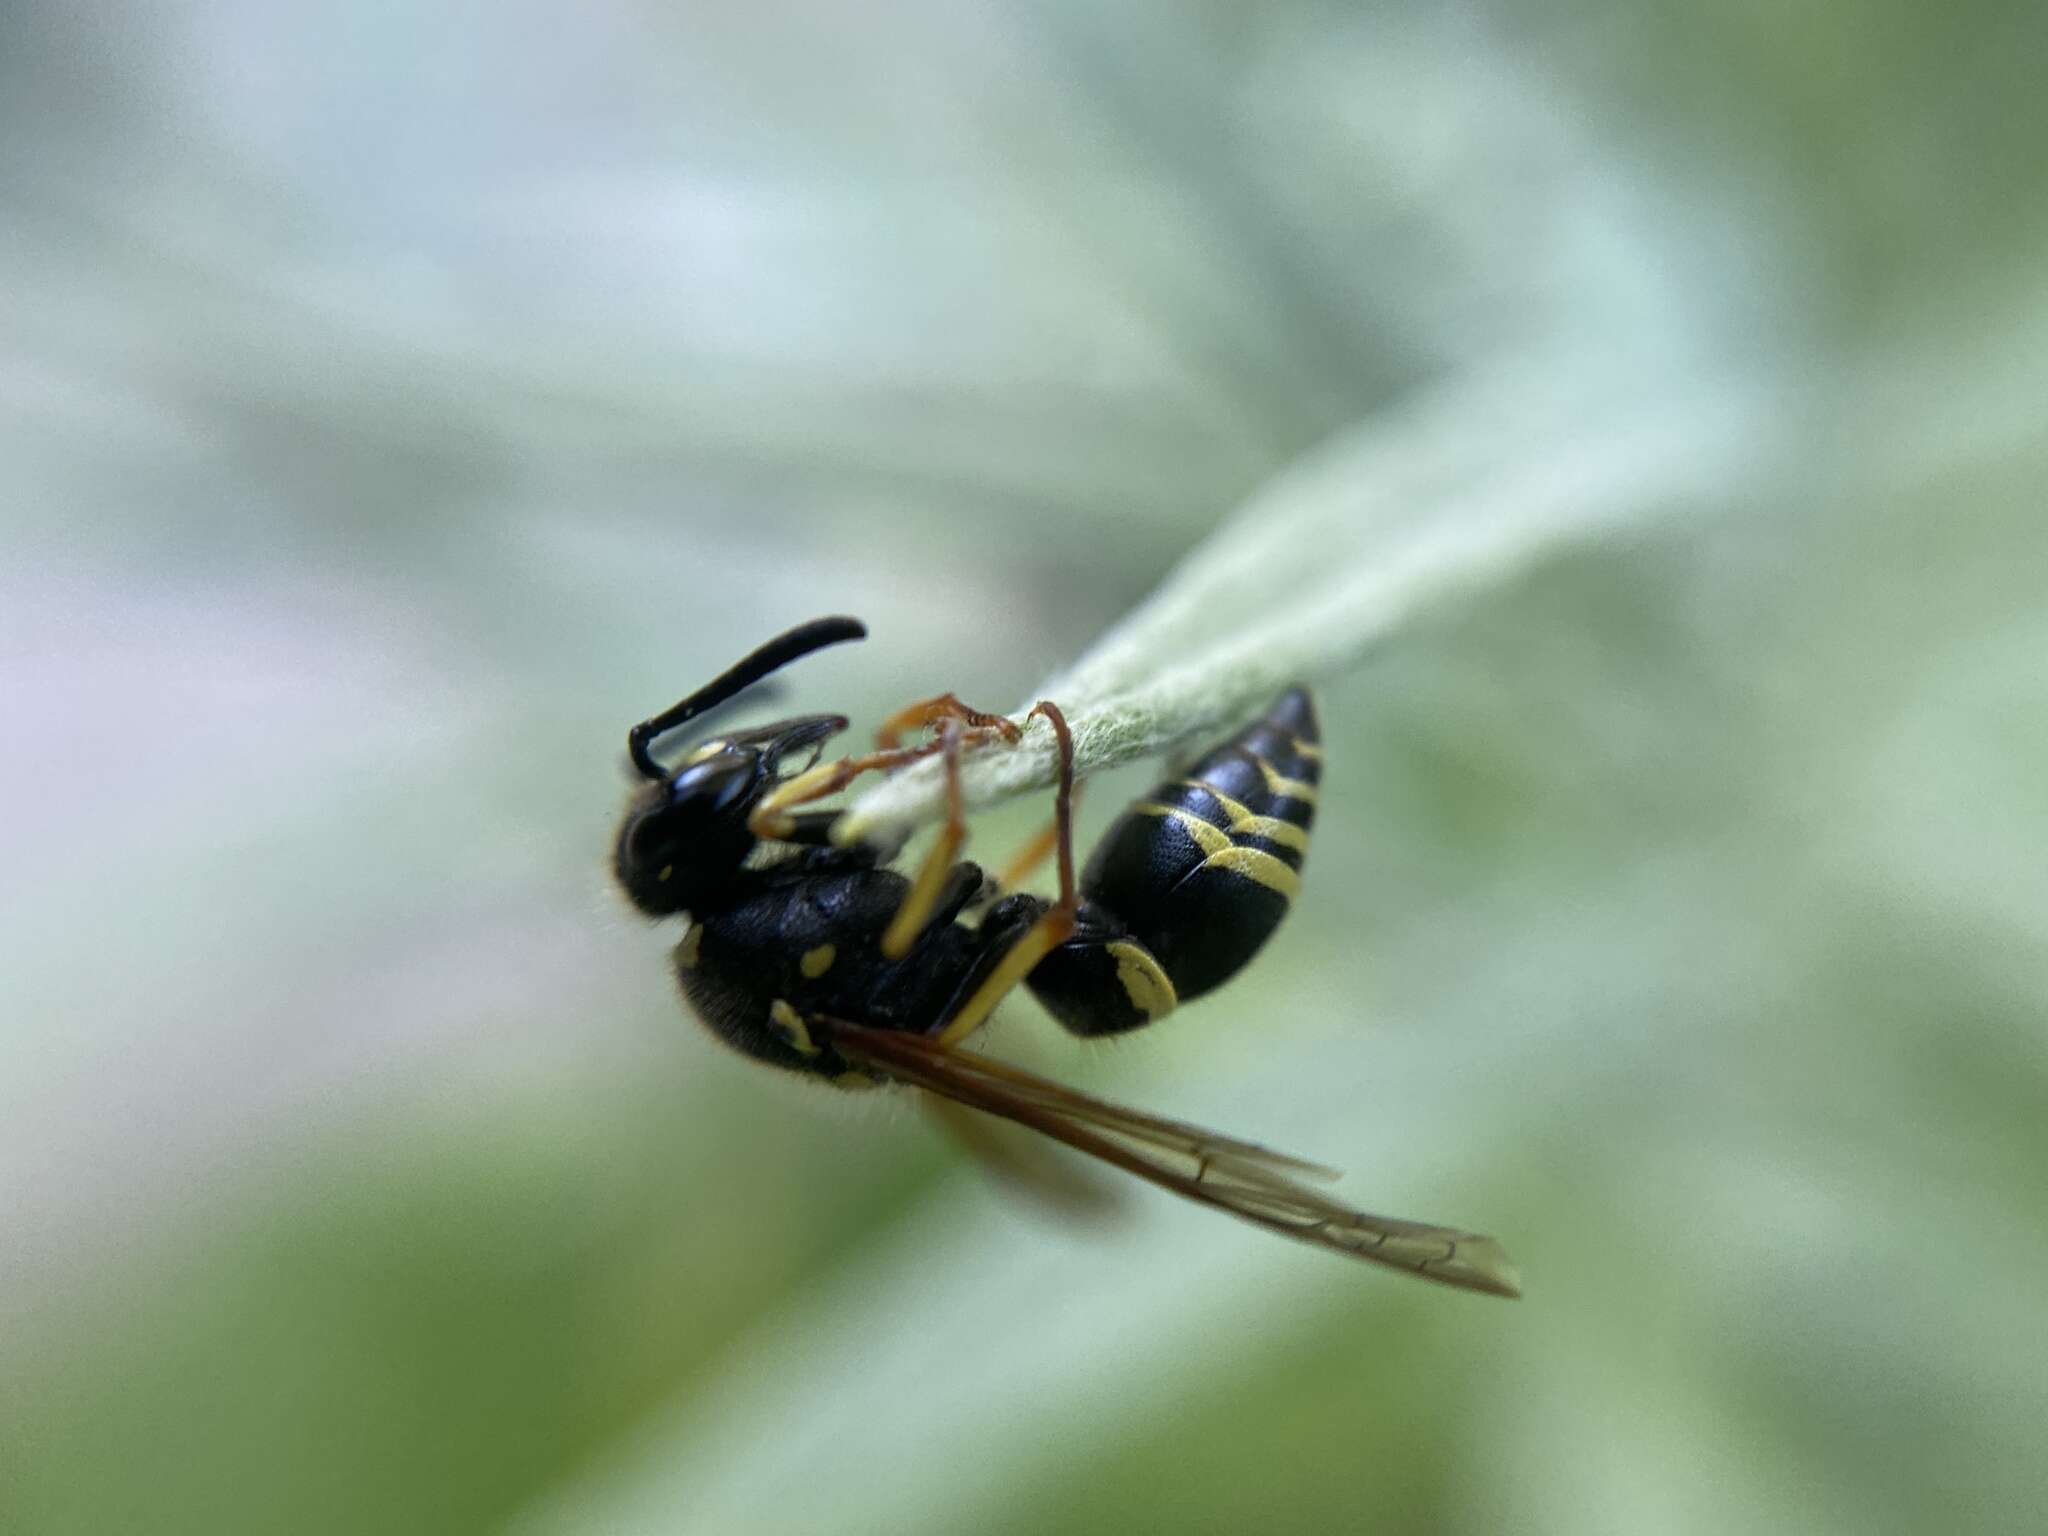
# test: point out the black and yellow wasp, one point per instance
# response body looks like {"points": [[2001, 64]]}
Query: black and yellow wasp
{"points": [[815, 958]]}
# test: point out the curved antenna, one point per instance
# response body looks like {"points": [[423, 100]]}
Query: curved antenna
{"points": [[743, 674]]}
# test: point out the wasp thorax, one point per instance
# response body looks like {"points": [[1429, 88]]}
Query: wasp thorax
{"points": [[684, 836]]}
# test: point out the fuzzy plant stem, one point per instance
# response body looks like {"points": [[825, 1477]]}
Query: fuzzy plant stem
{"points": [[1458, 495]]}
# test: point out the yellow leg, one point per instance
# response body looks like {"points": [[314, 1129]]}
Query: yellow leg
{"points": [[916, 910], [1040, 940], [959, 726], [770, 818], [1055, 926]]}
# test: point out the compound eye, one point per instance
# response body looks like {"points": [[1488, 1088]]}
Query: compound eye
{"points": [[713, 787]]}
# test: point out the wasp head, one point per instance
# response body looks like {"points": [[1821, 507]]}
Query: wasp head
{"points": [[685, 836]]}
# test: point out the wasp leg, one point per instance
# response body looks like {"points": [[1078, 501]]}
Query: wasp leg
{"points": [[771, 817], [810, 829], [959, 727], [1055, 926], [916, 911], [1034, 853], [926, 713]]}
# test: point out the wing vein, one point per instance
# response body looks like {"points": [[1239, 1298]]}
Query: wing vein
{"points": [[1240, 1177]]}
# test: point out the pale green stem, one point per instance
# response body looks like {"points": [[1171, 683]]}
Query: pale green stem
{"points": [[1428, 507]]}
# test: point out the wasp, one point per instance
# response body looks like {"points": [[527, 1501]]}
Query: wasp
{"points": [[817, 958]]}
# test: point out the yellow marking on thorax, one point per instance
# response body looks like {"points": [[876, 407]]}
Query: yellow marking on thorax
{"points": [[1257, 864], [789, 1024], [1149, 988], [686, 951], [1307, 749], [816, 962], [666, 872], [1279, 784], [1244, 823], [709, 749]]}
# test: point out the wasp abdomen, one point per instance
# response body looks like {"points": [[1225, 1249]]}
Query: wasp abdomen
{"points": [[1199, 873]]}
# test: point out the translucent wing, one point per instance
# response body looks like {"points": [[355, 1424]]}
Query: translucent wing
{"points": [[1057, 1180], [1235, 1176]]}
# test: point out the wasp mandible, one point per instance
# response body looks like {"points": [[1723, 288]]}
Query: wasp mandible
{"points": [[817, 958]]}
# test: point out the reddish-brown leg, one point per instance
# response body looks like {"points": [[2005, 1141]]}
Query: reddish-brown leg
{"points": [[771, 819], [1055, 925], [926, 713]]}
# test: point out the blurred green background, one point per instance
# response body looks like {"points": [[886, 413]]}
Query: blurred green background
{"points": [[398, 402]]}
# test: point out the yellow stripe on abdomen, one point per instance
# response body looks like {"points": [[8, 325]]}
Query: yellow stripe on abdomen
{"points": [[1211, 838], [1257, 864], [1219, 852], [1278, 784], [1245, 822]]}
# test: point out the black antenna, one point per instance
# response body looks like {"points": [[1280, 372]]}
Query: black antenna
{"points": [[743, 674]]}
